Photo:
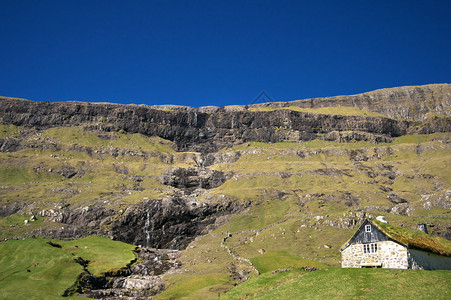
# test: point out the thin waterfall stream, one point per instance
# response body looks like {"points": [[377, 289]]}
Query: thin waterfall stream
{"points": [[146, 229]]}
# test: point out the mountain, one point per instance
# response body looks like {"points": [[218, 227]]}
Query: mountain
{"points": [[236, 190], [390, 112]]}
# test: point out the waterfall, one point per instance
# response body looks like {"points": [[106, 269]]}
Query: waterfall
{"points": [[146, 229], [195, 119]]}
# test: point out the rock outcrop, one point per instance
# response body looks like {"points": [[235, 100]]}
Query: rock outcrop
{"points": [[138, 280], [169, 223], [193, 178], [408, 102]]}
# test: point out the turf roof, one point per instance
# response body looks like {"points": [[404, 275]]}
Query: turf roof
{"points": [[414, 239]]}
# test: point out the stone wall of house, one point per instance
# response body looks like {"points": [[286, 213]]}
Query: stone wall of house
{"points": [[393, 255], [428, 261], [389, 255]]}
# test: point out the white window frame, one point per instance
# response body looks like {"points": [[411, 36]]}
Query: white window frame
{"points": [[370, 248], [367, 228]]}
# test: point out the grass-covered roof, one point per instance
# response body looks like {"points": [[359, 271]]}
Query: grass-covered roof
{"points": [[415, 238]]}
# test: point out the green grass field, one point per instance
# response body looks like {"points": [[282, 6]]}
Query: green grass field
{"points": [[273, 260], [33, 269], [346, 284]]}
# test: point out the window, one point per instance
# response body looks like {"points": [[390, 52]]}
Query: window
{"points": [[367, 228], [370, 248]]}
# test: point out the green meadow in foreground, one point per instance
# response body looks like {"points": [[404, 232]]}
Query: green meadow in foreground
{"points": [[34, 269], [345, 284]]}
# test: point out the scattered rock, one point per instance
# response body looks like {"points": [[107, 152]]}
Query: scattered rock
{"points": [[355, 136], [194, 178], [280, 270], [403, 209], [386, 189], [310, 269], [394, 198]]}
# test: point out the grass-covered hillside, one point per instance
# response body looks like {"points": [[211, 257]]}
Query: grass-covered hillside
{"points": [[37, 268], [307, 199], [51, 169], [298, 203]]}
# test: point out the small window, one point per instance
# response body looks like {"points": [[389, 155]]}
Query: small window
{"points": [[370, 248], [367, 228]]}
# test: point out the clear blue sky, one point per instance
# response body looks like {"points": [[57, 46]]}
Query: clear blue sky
{"points": [[211, 52]]}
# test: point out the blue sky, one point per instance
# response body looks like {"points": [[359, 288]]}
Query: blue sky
{"points": [[199, 53]]}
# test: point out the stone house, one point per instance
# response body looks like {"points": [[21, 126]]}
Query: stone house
{"points": [[379, 245]]}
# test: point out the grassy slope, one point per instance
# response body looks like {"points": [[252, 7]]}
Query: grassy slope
{"points": [[301, 239], [75, 135], [418, 172], [33, 269], [103, 254], [33, 175], [345, 284], [273, 260], [342, 111], [51, 270], [296, 197]]}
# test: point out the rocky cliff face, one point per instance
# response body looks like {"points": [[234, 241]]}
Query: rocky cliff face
{"points": [[209, 129], [409, 102], [168, 223]]}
